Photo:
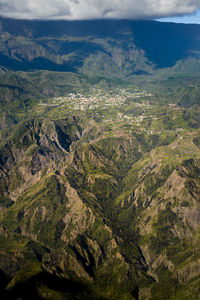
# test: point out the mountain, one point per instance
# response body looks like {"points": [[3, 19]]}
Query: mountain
{"points": [[99, 160], [101, 47], [98, 207], [43, 59]]}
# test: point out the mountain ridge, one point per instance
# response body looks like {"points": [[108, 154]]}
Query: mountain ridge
{"points": [[148, 44], [103, 201]]}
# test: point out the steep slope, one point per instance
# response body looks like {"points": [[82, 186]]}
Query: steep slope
{"points": [[46, 222], [101, 47], [110, 210]]}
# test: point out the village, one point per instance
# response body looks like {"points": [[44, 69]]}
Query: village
{"points": [[98, 98], [111, 105]]}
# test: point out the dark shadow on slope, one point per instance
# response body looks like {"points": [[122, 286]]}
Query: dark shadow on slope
{"points": [[29, 290], [3, 282], [39, 63], [89, 266], [166, 43]]}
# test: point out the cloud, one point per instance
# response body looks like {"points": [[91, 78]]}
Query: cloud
{"points": [[96, 9]]}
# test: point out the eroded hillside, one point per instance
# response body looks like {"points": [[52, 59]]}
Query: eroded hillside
{"points": [[109, 209]]}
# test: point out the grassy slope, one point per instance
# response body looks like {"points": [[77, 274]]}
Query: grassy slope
{"points": [[135, 195]]}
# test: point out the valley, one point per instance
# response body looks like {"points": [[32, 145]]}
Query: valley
{"points": [[113, 167], [99, 161]]}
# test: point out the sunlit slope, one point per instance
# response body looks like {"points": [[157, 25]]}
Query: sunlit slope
{"points": [[83, 202]]}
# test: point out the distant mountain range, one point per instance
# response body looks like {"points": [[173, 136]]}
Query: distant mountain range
{"points": [[99, 47]]}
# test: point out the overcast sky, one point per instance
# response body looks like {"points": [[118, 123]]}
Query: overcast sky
{"points": [[96, 9]]}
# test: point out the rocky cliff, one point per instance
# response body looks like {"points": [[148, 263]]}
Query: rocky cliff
{"points": [[98, 209]]}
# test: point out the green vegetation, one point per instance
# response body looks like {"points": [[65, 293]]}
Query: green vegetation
{"points": [[99, 163], [94, 184]]}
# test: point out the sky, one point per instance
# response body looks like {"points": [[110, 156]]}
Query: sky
{"points": [[187, 11], [188, 19]]}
